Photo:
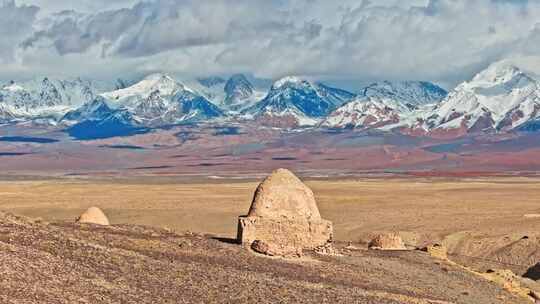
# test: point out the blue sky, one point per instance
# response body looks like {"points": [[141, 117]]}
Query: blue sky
{"points": [[347, 41]]}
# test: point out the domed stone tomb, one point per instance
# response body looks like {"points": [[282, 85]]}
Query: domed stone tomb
{"points": [[284, 214]]}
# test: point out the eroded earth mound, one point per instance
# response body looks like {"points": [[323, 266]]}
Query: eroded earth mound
{"points": [[387, 241], [283, 218], [95, 216]]}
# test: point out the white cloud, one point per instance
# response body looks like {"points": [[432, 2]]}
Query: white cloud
{"points": [[440, 40], [87, 6], [15, 23]]}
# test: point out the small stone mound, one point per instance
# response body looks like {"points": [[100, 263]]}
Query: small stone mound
{"points": [[284, 217], [387, 241], [95, 216], [437, 251], [327, 249]]}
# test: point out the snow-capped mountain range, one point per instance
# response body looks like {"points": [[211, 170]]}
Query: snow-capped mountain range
{"points": [[232, 95], [46, 98], [293, 101], [159, 99], [384, 104], [501, 98], [368, 112], [406, 92]]}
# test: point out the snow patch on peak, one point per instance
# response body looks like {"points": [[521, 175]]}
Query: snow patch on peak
{"points": [[6, 113], [13, 87], [502, 97], [160, 99], [370, 112], [165, 84], [47, 97], [411, 92], [288, 80], [499, 78], [496, 73], [158, 77], [239, 93]]}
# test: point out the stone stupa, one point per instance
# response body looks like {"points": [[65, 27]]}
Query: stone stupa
{"points": [[284, 217], [95, 216]]}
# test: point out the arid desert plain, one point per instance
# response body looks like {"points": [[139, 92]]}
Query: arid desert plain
{"points": [[434, 207], [485, 224]]}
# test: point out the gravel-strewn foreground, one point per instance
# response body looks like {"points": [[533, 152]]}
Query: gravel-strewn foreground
{"points": [[70, 263]]}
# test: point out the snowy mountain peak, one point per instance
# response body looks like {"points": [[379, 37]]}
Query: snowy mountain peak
{"points": [[158, 77], [93, 110], [13, 87], [290, 81], [293, 101], [159, 99], [501, 97], [163, 83], [96, 104], [235, 80], [386, 105], [47, 97], [238, 91], [6, 113], [368, 112], [407, 92], [497, 73]]}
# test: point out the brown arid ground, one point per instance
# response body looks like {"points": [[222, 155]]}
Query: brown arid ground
{"points": [[486, 223], [71, 263], [435, 207]]}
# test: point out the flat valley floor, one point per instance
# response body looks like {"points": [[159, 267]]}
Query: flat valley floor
{"points": [[434, 207], [486, 223]]}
